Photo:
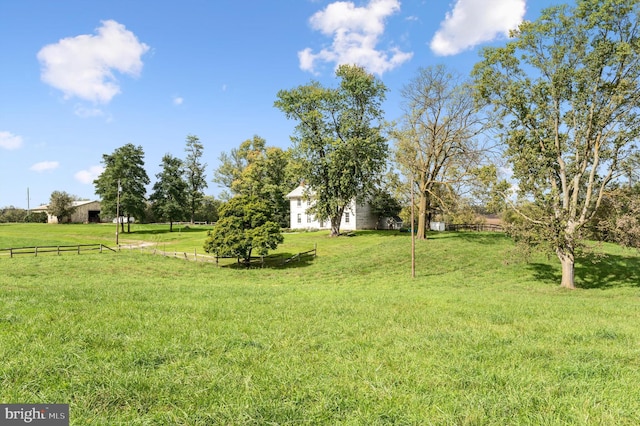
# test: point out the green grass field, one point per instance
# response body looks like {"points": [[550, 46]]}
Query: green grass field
{"points": [[477, 338]]}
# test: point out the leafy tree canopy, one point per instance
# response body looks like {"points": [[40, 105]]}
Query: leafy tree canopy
{"points": [[338, 142], [245, 227], [61, 205], [257, 170], [436, 139], [170, 191], [194, 173], [567, 91], [124, 166]]}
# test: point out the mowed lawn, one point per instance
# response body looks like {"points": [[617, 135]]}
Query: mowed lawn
{"points": [[477, 338]]}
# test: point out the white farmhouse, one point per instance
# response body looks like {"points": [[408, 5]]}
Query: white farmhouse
{"points": [[356, 216]]}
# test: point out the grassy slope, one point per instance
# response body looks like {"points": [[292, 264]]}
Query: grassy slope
{"points": [[130, 338]]}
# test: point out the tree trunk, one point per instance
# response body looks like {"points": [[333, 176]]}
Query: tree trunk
{"points": [[128, 224], [567, 261], [170, 225], [421, 233], [335, 226], [335, 222]]}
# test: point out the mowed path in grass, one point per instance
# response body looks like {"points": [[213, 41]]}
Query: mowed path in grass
{"points": [[348, 338]]}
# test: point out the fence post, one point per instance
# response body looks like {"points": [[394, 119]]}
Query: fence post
{"points": [[11, 253], [36, 251], [195, 255], [78, 248]]}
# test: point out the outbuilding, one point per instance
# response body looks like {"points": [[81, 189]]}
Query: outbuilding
{"points": [[86, 212]]}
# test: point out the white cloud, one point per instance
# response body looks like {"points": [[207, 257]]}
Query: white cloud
{"points": [[356, 32], [45, 166], [88, 176], [10, 141], [83, 66], [177, 100], [84, 112], [472, 22]]}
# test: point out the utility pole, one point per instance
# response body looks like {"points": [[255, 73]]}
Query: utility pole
{"points": [[118, 212], [413, 235]]}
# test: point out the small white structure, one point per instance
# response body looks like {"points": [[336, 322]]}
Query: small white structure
{"points": [[355, 216], [86, 212], [437, 226]]}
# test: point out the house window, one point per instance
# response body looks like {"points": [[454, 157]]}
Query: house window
{"points": [[346, 217], [308, 219], [299, 202], [299, 217]]}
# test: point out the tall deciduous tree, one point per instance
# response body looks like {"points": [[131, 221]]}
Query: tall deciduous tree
{"points": [[567, 89], [338, 139], [126, 166], [257, 170], [435, 140], [194, 172], [61, 205], [170, 191], [245, 226]]}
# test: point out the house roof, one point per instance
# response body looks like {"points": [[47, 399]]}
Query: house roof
{"points": [[44, 207], [299, 192]]}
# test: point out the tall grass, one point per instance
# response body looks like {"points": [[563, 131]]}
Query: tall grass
{"points": [[349, 338]]}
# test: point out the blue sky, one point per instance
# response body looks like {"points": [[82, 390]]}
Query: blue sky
{"points": [[81, 78]]}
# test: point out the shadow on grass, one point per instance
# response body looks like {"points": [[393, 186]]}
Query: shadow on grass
{"points": [[176, 230], [611, 270], [486, 238], [274, 261], [594, 272]]}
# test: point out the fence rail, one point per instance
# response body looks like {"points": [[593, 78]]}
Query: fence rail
{"points": [[36, 250], [481, 227], [272, 259]]}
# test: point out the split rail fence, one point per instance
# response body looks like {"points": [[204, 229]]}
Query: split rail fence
{"points": [[481, 227], [36, 250], [262, 261]]}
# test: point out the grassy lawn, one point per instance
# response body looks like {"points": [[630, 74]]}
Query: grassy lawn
{"points": [[348, 338]]}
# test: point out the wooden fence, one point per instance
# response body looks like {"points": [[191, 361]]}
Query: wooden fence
{"points": [[481, 227], [36, 250], [271, 260]]}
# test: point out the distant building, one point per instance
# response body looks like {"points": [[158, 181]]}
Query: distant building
{"points": [[86, 212], [356, 215]]}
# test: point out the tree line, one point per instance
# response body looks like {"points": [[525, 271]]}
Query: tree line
{"points": [[555, 108]]}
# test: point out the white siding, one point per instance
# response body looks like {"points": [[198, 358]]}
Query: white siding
{"points": [[354, 217]]}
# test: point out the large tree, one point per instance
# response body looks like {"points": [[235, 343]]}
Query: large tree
{"points": [[123, 171], [170, 191], [194, 172], [257, 170], [436, 145], [245, 227], [567, 90], [338, 139], [61, 205], [208, 210]]}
